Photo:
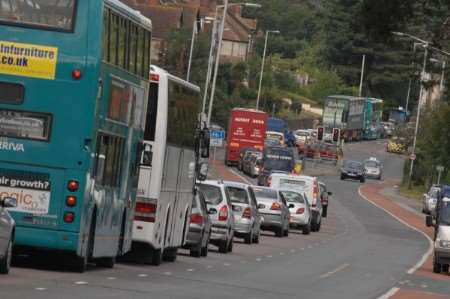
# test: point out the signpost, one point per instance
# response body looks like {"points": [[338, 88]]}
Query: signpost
{"points": [[217, 138], [412, 157], [439, 169]]}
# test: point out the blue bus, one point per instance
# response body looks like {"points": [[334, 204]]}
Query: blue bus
{"points": [[373, 113], [398, 115], [73, 94]]}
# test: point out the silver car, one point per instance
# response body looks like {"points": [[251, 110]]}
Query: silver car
{"points": [[247, 221], [7, 226], [373, 168], [430, 200], [299, 209], [252, 165], [199, 233], [221, 214], [274, 211]]}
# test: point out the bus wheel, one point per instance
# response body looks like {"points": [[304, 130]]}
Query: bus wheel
{"points": [[106, 262], [170, 254], [80, 262], [155, 257]]}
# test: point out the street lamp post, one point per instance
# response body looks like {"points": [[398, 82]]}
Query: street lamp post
{"points": [[262, 65], [206, 20], [225, 7]]}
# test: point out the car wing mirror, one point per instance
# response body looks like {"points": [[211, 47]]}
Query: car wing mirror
{"points": [[429, 220], [202, 171], [9, 202], [330, 193]]}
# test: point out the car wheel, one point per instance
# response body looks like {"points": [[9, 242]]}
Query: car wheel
{"points": [[5, 263], [437, 268], [286, 232], [170, 255], [106, 262], [155, 257], [306, 230], [196, 251], [248, 238], [279, 232], [325, 211], [223, 246], [256, 239], [362, 180], [342, 177], [319, 225], [230, 245]]}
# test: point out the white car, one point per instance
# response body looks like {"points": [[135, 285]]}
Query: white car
{"points": [[307, 185], [7, 226], [373, 168], [302, 136], [430, 200], [299, 209]]}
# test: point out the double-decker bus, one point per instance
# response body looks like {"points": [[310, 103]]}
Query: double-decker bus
{"points": [[373, 113], [174, 145], [73, 92]]}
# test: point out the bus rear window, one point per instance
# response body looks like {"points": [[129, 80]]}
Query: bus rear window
{"points": [[50, 14], [23, 124]]}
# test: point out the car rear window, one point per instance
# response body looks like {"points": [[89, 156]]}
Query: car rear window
{"points": [[290, 196], [238, 195], [290, 183], [213, 195], [265, 193]]}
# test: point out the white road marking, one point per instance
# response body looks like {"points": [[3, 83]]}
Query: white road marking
{"points": [[142, 275], [190, 270], [241, 176], [292, 250], [111, 278], [167, 273], [40, 289], [209, 267], [338, 269], [430, 242], [389, 294], [81, 282], [269, 256], [281, 253], [258, 259], [227, 264]]}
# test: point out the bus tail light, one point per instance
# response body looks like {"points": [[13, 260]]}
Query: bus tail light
{"points": [[76, 74], [247, 213], [73, 185], [71, 201], [154, 77], [69, 217], [223, 213], [197, 218], [145, 211]]}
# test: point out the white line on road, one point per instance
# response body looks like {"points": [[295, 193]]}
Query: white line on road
{"points": [[111, 278], [40, 289], [338, 269], [167, 273], [389, 294], [269, 256], [142, 275], [81, 282], [227, 264], [241, 176], [190, 270], [430, 242], [258, 259]]}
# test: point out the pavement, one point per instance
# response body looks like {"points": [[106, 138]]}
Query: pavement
{"points": [[360, 252]]}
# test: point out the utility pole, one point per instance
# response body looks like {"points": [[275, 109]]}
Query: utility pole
{"points": [[362, 75]]}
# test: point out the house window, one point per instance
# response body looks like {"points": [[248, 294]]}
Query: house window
{"points": [[234, 49]]}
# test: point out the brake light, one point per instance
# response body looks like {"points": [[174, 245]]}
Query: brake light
{"points": [[145, 211], [300, 211], [73, 185], [247, 213], [275, 206], [197, 218], [76, 74], [69, 217], [223, 213], [154, 77], [71, 201]]}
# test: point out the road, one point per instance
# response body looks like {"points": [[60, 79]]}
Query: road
{"points": [[361, 252]]}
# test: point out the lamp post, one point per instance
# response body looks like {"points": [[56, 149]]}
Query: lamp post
{"points": [[206, 20], [262, 65], [225, 7]]}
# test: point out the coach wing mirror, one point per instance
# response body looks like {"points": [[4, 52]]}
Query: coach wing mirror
{"points": [[9, 202], [330, 193], [202, 173], [147, 155], [429, 220], [204, 148]]}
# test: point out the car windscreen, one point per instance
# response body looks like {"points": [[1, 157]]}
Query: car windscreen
{"points": [[444, 214], [293, 197], [49, 14], [292, 183], [213, 195], [265, 193], [237, 195], [371, 164], [279, 159], [353, 165]]}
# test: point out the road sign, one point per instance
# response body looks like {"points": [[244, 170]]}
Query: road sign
{"points": [[216, 138], [440, 168], [412, 157]]}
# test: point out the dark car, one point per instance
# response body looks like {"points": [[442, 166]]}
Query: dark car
{"points": [[243, 154], [325, 198], [353, 170], [199, 233], [6, 234], [275, 160], [251, 166]]}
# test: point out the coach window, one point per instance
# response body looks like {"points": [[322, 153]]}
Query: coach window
{"points": [[114, 38], [122, 42], [106, 34], [133, 49], [147, 53]]}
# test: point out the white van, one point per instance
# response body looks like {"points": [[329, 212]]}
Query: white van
{"points": [[304, 184]]}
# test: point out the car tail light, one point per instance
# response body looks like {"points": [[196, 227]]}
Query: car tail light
{"points": [[73, 185], [247, 213], [275, 206], [197, 218], [71, 201], [69, 217], [315, 194], [300, 211], [223, 213], [145, 211]]}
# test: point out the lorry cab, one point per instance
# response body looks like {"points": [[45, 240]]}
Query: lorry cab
{"points": [[441, 260]]}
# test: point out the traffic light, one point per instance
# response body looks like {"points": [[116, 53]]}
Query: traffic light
{"points": [[320, 131], [336, 135]]}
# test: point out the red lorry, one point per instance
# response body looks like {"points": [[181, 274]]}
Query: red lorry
{"points": [[246, 129]]}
